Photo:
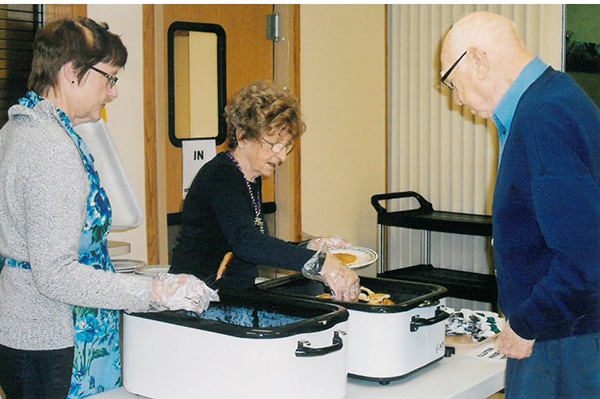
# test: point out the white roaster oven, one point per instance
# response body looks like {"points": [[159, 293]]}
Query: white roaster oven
{"points": [[248, 345], [385, 342]]}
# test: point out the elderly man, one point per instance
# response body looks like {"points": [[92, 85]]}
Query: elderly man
{"points": [[546, 209]]}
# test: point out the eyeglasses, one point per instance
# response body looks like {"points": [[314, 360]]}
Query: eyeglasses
{"points": [[279, 146], [112, 79], [450, 85]]}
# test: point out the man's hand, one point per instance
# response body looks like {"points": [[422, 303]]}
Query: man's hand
{"points": [[509, 343]]}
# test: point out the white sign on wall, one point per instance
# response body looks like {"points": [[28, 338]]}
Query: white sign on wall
{"points": [[195, 154]]}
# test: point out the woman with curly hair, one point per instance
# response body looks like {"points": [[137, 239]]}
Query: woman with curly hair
{"points": [[222, 217]]}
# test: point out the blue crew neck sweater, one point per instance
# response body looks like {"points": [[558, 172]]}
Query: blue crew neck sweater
{"points": [[546, 212]]}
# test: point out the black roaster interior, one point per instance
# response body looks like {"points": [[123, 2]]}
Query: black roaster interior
{"points": [[405, 294]]}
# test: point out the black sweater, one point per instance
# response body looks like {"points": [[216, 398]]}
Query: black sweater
{"points": [[218, 217]]}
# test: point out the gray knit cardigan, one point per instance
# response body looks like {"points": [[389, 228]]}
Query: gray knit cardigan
{"points": [[43, 196]]}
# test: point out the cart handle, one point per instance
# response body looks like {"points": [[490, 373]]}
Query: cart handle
{"points": [[303, 349], [417, 322], [423, 203]]}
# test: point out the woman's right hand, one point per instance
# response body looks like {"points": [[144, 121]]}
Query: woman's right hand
{"points": [[181, 292], [344, 283]]}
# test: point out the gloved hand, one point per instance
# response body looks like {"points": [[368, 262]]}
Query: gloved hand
{"points": [[331, 271], [181, 291], [330, 242], [344, 283]]}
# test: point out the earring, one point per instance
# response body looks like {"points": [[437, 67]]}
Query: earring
{"points": [[72, 82]]}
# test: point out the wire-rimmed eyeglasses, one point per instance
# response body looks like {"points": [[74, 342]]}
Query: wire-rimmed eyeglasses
{"points": [[279, 146], [112, 79], [450, 85]]}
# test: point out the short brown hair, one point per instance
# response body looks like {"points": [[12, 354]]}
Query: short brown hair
{"points": [[261, 107], [81, 40]]}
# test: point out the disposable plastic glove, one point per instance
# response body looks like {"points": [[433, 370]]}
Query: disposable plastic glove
{"points": [[344, 283], [330, 242], [181, 292]]}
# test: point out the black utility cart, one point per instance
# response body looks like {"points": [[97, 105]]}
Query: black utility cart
{"points": [[460, 284]]}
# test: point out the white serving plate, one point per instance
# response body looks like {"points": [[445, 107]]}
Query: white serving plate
{"points": [[152, 270], [364, 256], [127, 265]]}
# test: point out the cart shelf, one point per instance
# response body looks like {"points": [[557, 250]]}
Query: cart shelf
{"points": [[460, 284], [426, 218]]}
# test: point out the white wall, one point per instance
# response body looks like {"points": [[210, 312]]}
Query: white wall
{"points": [[124, 115], [343, 101]]}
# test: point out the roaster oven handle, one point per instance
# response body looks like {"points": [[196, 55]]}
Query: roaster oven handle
{"points": [[417, 321], [303, 349], [423, 203]]}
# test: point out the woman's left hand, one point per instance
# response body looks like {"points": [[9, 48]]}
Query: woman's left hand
{"points": [[329, 242]]}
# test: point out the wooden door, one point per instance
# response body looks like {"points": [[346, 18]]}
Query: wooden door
{"points": [[249, 57]]}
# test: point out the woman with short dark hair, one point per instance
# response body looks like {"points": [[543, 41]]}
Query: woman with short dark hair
{"points": [[59, 295]]}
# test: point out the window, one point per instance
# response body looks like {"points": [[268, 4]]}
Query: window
{"points": [[18, 24]]}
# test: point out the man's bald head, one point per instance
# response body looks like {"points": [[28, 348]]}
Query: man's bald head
{"points": [[490, 32], [494, 58]]}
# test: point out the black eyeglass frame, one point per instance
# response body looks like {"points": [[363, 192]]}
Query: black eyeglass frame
{"points": [[449, 71], [289, 147], [112, 79]]}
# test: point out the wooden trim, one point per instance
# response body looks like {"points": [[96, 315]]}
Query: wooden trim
{"points": [[54, 11], [150, 156], [387, 104], [297, 160], [79, 10], [384, 256]]}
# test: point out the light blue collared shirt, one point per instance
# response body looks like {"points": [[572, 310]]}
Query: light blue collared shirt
{"points": [[505, 110]]}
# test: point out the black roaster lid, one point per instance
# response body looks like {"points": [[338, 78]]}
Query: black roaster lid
{"points": [[406, 295], [306, 316]]}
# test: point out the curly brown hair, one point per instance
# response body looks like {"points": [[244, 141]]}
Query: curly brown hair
{"points": [[81, 40], [262, 107]]}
